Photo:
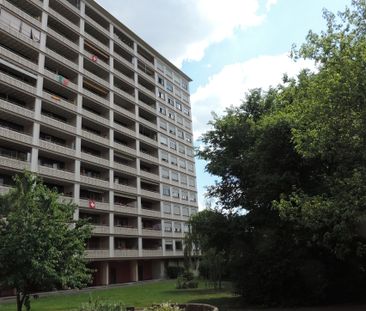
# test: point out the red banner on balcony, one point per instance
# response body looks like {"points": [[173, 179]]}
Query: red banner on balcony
{"points": [[92, 204]]}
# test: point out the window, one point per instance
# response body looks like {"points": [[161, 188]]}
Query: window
{"points": [[190, 152], [182, 163], [181, 149], [160, 66], [163, 124], [171, 115], [165, 173], [185, 211], [187, 124], [173, 160], [169, 72], [166, 190], [178, 245], [164, 140], [180, 134], [175, 192], [167, 208], [189, 138], [168, 226], [177, 227], [178, 105], [178, 92], [173, 144], [161, 80], [162, 110], [161, 94], [177, 79], [169, 87], [179, 119], [170, 101], [176, 209], [164, 156], [175, 176], [185, 195], [185, 97], [192, 182], [186, 110], [185, 228], [190, 167], [183, 179], [185, 85], [192, 197], [172, 129], [169, 244]]}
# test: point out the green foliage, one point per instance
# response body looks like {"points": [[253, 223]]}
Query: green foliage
{"points": [[174, 271], [292, 184], [101, 305], [165, 306], [186, 280], [41, 246]]}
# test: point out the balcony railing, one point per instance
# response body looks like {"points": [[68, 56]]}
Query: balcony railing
{"points": [[16, 136], [151, 232], [44, 170], [14, 163], [126, 231], [62, 19], [152, 252], [97, 253], [126, 253], [56, 148], [17, 83], [149, 212], [62, 59], [94, 181], [125, 209], [100, 229], [125, 188], [17, 58], [98, 205], [124, 168], [58, 124], [62, 102], [91, 158], [13, 32], [95, 137], [21, 13], [8, 106], [151, 194]]}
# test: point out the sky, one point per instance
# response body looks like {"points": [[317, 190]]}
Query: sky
{"points": [[227, 47]]}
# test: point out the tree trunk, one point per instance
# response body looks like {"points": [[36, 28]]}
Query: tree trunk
{"points": [[20, 300]]}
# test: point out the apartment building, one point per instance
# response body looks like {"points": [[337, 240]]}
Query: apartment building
{"points": [[105, 120]]}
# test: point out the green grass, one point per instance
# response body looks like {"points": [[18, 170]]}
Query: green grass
{"points": [[139, 295]]}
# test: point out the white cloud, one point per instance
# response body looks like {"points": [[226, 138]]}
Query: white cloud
{"points": [[228, 87], [184, 29]]}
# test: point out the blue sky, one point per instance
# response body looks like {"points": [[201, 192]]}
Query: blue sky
{"points": [[225, 46]]}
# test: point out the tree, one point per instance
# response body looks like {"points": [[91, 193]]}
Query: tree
{"points": [[41, 246], [292, 160]]}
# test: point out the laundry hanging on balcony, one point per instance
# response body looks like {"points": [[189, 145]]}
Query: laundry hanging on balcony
{"points": [[94, 58], [62, 80], [92, 204]]}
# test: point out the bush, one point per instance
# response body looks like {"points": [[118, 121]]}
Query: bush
{"points": [[173, 271], [98, 305], [186, 280], [166, 306]]}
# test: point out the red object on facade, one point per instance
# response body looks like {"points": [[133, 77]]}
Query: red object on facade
{"points": [[94, 58], [91, 204]]}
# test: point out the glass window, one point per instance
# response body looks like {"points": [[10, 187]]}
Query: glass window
{"points": [[190, 152], [162, 110], [193, 210], [167, 208], [171, 115], [166, 190], [176, 209], [173, 144], [175, 176], [169, 86], [181, 149], [187, 124], [185, 97], [164, 156], [172, 129], [164, 140], [185, 195], [178, 92], [174, 160], [163, 124], [168, 72], [167, 227], [182, 163], [161, 80], [188, 137], [170, 101], [179, 119], [161, 94], [175, 192], [192, 182], [186, 110], [177, 79], [178, 105], [180, 134], [165, 173], [190, 167], [184, 84], [185, 211], [192, 197], [183, 179], [160, 66]]}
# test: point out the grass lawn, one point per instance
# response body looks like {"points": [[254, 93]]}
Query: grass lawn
{"points": [[139, 295]]}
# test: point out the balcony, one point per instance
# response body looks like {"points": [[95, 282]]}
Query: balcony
{"points": [[63, 20], [94, 181], [94, 137], [126, 231], [149, 212], [57, 173], [16, 136], [60, 101], [97, 253], [56, 148], [152, 252], [124, 188], [58, 124], [99, 61], [151, 194], [95, 117], [14, 82], [98, 205], [124, 168], [99, 229], [63, 39], [91, 158], [55, 77], [10, 107], [7, 53], [14, 163], [62, 59], [125, 209], [126, 253]]}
